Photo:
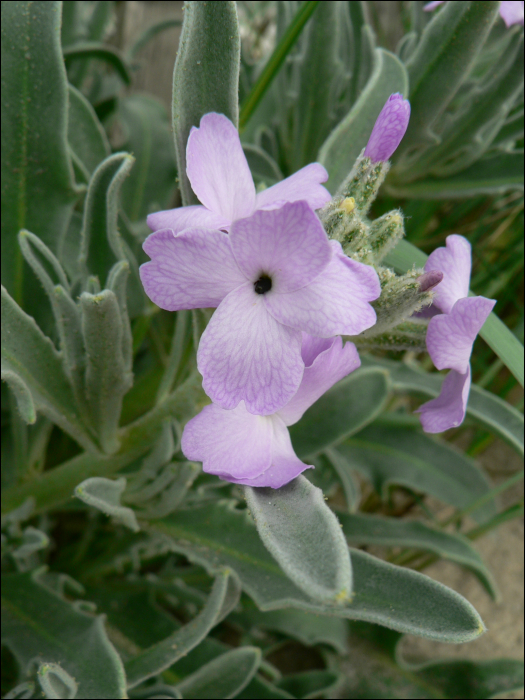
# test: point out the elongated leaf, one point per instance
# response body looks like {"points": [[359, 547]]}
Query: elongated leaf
{"points": [[84, 51], [394, 532], [348, 481], [223, 598], [206, 75], [102, 243], [85, 133], [260, 689], [37, 179], [303, 535], [394, 455], [55, 682], [494, 332], [220, 535], [223, 677], [263, 167], [38, 623], [108, 371], [105, 494], [340, 150], [151, 184], [24, 398], [485, 408], [27, 353], [342, 411], [311, 684], [442, 61]]}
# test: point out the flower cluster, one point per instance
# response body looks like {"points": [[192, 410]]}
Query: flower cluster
{"points": [[284, 294]]}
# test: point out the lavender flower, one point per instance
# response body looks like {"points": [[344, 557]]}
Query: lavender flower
{"points": [[389, 129], [221, 179], [451, 334], [276, 274], [511, 12], [254, 450]]}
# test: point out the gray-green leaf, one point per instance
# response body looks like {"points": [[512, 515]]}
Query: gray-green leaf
{"points": [[105, 494], [223, 677]]}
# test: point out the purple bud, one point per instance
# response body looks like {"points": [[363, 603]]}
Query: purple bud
{"points": [[389, 129], [429, 280]]}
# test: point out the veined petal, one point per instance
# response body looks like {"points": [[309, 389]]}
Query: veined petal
{"points": [[245, 355], [229, 442], [305, 184], [285, 465], [287, 244], [186, 217], [312, 347], [448, 409], [450, 336], [192, 270], [335, 303], [218, 170], [454, 262], [389, 129], [329, 367]]}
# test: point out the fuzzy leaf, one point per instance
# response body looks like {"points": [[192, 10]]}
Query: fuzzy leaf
{"points": [[340, 150], [220, 535], [37, 622], [223, 677], [83, 51], [55, 682], [311, 684], [304, 536], [27, 353], [337, 414], [223, 598], [104, 494], [206, 75], [38, 192], [85, 133], [395, 532], [394, 455]]}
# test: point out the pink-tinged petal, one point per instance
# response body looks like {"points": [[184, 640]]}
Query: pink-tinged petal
{"points": [[448, 409], [389, 129], [192, 270], [305, 185], [186, 217], [450, 336], [432, 5], [312, 347], [245, 355], [285, 465], [233, 442], [218, 170], [454, 262], [511, 12], [327, 369], [335, 303], [288, 244]]}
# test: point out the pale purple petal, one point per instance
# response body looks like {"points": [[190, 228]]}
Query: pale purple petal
{"points": [[186, 217], [335, 303], [245, 355], [429, 280], [450, 336], [511, 12], [312, 347], [432, 5], [285, 465], [218, 170], [288, 244], [327, 369], [305, 184], [454, 262], [389, 129], [448, 409], [233, 442], [192, 270]]}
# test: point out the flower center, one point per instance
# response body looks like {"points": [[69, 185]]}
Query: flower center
{"points": [[263, 284]]}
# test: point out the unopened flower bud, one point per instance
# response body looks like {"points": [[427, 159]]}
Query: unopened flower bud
{"points": [[429, 280], [389, 129]]}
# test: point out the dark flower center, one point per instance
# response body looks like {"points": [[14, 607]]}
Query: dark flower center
{"points": [[263, 284]]}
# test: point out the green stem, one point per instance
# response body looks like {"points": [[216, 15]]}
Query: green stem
{"points": [[177, 348], [275, 61]]}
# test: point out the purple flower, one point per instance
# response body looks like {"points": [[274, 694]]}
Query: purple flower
{"points": [[511, 12], [451, 334], [221, 179], [276, 274], [389, 129], [255, 450]]}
